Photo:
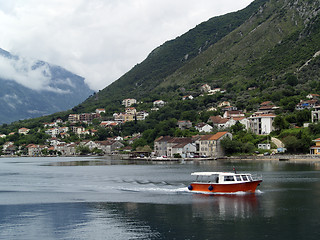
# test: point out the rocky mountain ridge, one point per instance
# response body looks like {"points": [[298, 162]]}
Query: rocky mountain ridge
{"points": [[32, 88]]}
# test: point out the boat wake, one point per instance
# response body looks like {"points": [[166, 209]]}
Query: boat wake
{"points": [[159, 190]]}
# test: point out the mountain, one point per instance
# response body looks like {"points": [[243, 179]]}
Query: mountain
{"points": [[271, 46], [32, 88], [169, 57]]}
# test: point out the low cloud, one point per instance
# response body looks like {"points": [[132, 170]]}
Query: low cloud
{"points": [[27, 73]]}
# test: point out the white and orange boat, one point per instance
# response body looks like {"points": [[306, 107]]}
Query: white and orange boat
{"points": [[224, 182]]}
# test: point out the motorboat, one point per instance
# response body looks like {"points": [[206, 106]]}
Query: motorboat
{"points": [[224, 182]]}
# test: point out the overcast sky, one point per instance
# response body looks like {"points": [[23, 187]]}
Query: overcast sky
{"points": [[100, 39]]}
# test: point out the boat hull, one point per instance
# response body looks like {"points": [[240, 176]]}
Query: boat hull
{"points": [[224, 188]]}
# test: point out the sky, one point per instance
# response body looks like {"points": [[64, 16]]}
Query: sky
{"points": [[99, 40]]}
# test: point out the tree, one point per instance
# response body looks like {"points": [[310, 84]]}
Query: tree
{"points": [[280, 123], [83, 150], [238, 127], [230, 146]]}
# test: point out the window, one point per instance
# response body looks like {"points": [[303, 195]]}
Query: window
{"points": [[238, 177], [228, 178], [250, 178], [244, 177]]}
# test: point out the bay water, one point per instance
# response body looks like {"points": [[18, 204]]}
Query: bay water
{"points": [[99, 198]]}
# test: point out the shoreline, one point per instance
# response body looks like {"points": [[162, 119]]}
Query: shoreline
{"points": [[275, 158]]}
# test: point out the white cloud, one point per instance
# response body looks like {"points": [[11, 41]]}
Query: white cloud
{"points": [[100, 39], [22, 71]]}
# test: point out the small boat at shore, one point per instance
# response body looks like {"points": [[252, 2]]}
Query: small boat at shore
{"points": [[224, 182]]}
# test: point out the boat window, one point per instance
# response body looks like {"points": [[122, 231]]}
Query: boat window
{"points": [[228, 178], [244, 177], [238, 177], [250, 178]]}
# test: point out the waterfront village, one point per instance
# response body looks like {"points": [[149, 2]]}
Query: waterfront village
{"points": [[204, 144]]}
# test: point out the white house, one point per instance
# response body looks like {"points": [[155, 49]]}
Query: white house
{"points": [[185, 150], [315, 114], [53, 132], [204, 127], [159, 103], [100, 110], [261, 124], [23, 131], [128, 102]]}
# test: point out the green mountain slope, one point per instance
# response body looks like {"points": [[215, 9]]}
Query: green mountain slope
{"points": [[273, 44], [169, 57]]}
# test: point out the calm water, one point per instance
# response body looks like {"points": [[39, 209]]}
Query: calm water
{"points": [[92, 198]]}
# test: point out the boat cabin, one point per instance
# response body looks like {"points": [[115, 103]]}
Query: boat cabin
{"points": [[222, 177]]}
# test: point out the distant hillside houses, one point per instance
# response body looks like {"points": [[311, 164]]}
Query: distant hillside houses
{"points": [[130, 114], [57, 147], [83, 117], [207, 89], [306, 104], [260, 122], [128, 102], [201, 145]]}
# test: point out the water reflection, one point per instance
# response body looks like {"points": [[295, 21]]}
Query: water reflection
{"points": [[224, 206]]}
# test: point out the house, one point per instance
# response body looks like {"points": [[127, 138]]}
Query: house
{"points": [[128, 102], [229, 108], [204, 145], [63, 129], [204, 127], [180, 145], [224, 103], [77, 130], [53, 124], [190, 97], [74, 118], [53, 132], [9, 149], [109, 146], [244, 121], [184, 124], [130, 110], [66, 149], [266, 103], [233, 114], [159, 103], [100, 110], [210, 145], [261, 124], [267, 107], [23, 131], [184, 149], [160, 146], [2, 135], [35, 150], [212, 109], [54, 141], [315, 150], [59, 120], [109, 124], [205, 88], [312, 96], [88, 143], [141, 115], [218, 121], [306, 104], [315, 114]]}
